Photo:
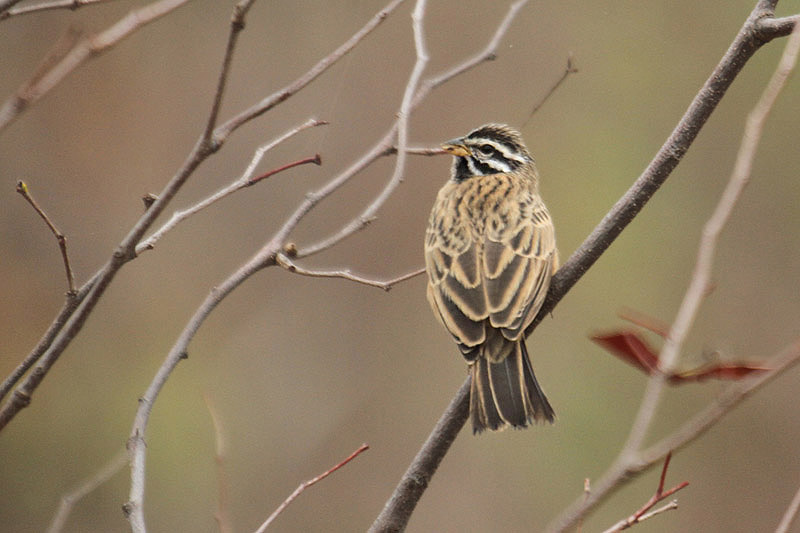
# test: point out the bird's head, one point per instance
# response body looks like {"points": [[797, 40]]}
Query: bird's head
{"points": [[489, 149]]}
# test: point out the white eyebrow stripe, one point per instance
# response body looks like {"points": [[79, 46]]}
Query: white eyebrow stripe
{"points": [[503, 149]]}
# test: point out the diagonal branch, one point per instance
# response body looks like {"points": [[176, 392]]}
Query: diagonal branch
{"points": [[22, 188], [645, 512], [245, 180], [385, 146], [73, 317], [47, 5], [631, 458], [276, 98], [69, 500], [84, 49], [266, 256], [310, 483], [754, 33], [790, 515]]}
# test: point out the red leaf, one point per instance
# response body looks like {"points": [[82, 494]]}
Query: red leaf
{"points": [[630, 347], [717, 371]]}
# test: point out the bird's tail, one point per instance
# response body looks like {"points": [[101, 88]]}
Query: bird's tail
{"points": [[506, 393]]}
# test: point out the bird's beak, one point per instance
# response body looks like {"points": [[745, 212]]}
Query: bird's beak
{"points": [[456, 147]]}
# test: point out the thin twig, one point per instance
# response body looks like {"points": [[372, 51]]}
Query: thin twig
{"points": [[630, 459], [261, 259], [7, 4], [701, 276], [570, 69], [223, 506], [245, 180], [22, 188], [316, 160], [313, 73], [790, 514], [407, 493], [722, 405], [306, 484], [48, 5], [267, 256], [386, 285], [60, 334], [88, 47], [69, 500], [587, 489], [660, 495], [668, 507], [70, 305], [392, 150], [487, 53], [690, 431]]}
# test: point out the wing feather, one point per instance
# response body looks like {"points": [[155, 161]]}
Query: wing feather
{"points": [[491, 276]]}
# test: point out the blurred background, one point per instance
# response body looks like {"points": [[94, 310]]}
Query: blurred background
{"points": [[301, 370]]}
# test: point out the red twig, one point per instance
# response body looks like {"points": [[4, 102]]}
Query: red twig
{"points": [[660, 495], [317, 160], [304, 485]]}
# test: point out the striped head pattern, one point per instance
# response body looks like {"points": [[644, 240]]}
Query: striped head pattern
{"points": [[489, 149]]}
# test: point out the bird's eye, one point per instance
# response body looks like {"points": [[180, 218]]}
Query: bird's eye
{"points": [[486, 150]]}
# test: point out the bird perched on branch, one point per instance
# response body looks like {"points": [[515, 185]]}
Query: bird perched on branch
{"points": [[490, 252]]}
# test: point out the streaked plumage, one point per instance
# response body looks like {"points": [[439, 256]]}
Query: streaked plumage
{"points": [[490, 253]]}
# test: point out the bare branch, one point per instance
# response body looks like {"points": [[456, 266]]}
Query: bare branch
{"points": [[7, 4], [392, 150], [691, 430], [570, 69], [285, 262], [408, 491], [642, 514], [303, 486], [789, 516], [276, 98], [22, 188], [245, 180], [398, 509], [223, 507], [86, 48], [722, 405], [769, 27], [237, 25], [263, 258], [126, 250], [385, 145], [48, 5], [630, 459], [69, 500]]}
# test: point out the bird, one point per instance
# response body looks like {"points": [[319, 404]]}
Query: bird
{"points": [[490, 253]]}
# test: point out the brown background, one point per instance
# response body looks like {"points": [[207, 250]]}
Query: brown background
{"points": [[303, 370]]}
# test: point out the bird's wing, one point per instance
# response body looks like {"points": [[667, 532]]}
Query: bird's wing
{"points": [[518, 261], [501, 276]]}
